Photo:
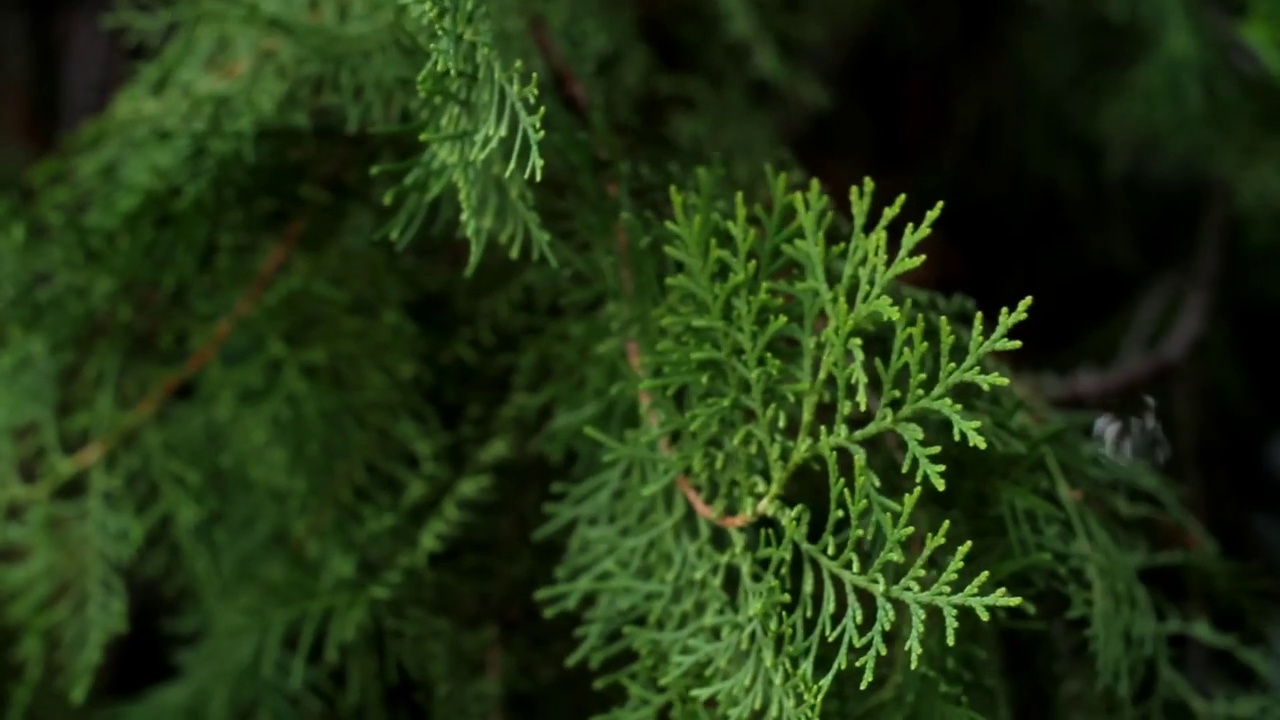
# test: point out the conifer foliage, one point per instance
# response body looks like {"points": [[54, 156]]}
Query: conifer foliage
{"points": [[272, 394]]}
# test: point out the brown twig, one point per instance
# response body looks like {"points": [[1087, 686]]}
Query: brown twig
{"points": [[575, 97], [567, 81], [95, 450], [1133, 368], [493, 669], [267, 271]]}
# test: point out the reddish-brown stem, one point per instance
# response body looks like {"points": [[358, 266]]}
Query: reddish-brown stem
{"points": [[635, 361], [95, 450], [493, 670], [574, 94]]}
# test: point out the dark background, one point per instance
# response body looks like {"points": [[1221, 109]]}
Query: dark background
{"points": [[1078, 165]]}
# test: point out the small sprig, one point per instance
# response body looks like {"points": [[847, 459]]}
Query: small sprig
{"points": [[481, 129], [767, 320]]}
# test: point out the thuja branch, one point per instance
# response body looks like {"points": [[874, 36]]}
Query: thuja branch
{"points": [[574, 95], [94, 451]]}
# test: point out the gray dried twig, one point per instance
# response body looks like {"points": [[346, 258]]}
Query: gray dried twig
{"points": [[1134, 365]]}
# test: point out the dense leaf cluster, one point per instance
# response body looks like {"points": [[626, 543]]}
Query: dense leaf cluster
{"points": [[694, 411]]}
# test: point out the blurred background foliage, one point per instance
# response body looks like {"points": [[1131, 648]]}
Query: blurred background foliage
{"points": [[1078, 145]]}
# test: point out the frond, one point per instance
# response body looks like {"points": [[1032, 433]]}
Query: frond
{"points": [[762, 357]]}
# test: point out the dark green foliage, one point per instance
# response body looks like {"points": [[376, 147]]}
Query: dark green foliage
{"points": [[265, 372]]}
